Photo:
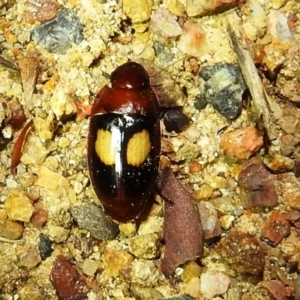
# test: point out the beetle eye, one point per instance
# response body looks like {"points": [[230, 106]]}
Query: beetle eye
{"points": [[130, 76]]}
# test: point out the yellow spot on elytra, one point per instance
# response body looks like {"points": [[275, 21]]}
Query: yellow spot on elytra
{"points": [[103, 147], [138, 148]]}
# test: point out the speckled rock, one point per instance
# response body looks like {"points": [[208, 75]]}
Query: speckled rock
{"points": [[145, 246], [257, 185], [93, 218], [18, 206], [11, 230], [138, 11], [224, 86], [243, 253], [214, 283], [191, 39], [242, 143], [116, 260], [58, 34], [277, 228]]}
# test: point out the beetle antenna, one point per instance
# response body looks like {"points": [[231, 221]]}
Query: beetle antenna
{"points": [[162, 70]]}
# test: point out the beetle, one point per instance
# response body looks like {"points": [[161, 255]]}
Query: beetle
{"points": [[124, 143]]}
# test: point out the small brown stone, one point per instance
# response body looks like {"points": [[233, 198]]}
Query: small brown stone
{"points": [[39, 218], [195, 167], [277, 228], [257, 186], [68, 283], [10, 229]]}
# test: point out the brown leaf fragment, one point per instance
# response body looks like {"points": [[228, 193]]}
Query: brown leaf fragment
{"points": [[68, 283], [29, 70], [183, 233]]}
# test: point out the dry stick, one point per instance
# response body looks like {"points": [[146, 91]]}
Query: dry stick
{"points": [[262, 102]]}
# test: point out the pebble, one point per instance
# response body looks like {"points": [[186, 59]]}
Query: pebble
{"points": [[45, 10], [257, 185], [39, 218], [224, 87], [67, 281], [278, 163], [289, 120], [138, 10], [204, 7], [176, 7], [93, 218], [214, 283], [192, 39], [162, 53], [209, 220], [277, 289], [242, 143], [58, 35], [11, 230], [200, 102], [289, 186], [145, 246], [52, 181], [164, 23], [193, 288], [183, 297], [90, 266], [116, 260], [277, 228], [58, 234], [191, 270], [145, 293], [243, 253], [226, 221], [44, 246], [18, 206], [30, 259]]}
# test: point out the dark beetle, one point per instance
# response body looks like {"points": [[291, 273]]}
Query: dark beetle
{"points": [[124, 143]]}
